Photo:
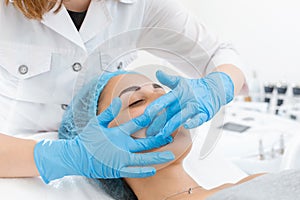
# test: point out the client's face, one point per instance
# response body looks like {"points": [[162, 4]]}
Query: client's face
{"points": [[136, 93]]}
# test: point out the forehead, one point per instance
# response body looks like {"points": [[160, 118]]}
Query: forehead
{"points": [[118, 83], [121, 82]]}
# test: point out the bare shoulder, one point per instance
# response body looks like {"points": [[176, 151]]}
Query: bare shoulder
{"points": [[249, 178], [228, 185]]}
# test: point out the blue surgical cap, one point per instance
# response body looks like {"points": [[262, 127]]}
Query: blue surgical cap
{"points": [[82, 108]]}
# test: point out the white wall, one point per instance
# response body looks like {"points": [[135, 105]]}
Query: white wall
{"points": [[265, 32]]}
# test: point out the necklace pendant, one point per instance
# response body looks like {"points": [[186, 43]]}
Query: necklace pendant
{"points": [[190, 191]]}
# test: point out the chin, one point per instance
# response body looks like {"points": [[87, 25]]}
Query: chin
{"points": [[181, 145]]}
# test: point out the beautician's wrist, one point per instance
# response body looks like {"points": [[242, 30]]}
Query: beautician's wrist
{"points": [[222, 85], [54, 160], [236, 75]]}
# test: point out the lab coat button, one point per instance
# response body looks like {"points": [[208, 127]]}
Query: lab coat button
{"points": [[77, 67], [23, 69], [64, 106]]}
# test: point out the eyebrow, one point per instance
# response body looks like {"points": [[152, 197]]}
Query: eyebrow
{"points": [[132, 88], [136, 88]]}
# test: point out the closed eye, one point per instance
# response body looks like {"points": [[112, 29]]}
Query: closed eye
{"points": [[155, 85], [136, 103]]}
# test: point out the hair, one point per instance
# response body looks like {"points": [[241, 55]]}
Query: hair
{"points": [[35, 9]]}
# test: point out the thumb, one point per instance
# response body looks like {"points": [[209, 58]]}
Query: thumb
{"points": [[110, 113], [167, 80]]}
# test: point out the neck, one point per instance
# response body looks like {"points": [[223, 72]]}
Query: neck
{"points": [[167, 182], [77, 5]]}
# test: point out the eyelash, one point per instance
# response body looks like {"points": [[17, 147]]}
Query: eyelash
{"points": [[136, 102], [156, 86]]}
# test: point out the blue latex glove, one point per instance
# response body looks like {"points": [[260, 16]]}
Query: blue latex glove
{"points": [[102, 152], [191, 102]]}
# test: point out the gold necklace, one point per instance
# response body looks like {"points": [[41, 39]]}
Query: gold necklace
{"points": [[189, 191]]}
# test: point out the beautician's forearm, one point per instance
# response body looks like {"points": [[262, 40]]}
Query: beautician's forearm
{"points": [[235, 74], [16, 157]]}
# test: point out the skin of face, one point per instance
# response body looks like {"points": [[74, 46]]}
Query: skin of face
{"points": [[77, 5], [137, 92]]}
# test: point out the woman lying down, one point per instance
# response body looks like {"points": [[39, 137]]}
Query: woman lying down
{"points": [[171, 181]]}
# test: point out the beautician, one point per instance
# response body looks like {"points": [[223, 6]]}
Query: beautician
{"points": [[49, 50]]}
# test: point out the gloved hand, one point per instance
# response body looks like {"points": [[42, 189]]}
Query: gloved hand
{"points": [[102, 152], [190, 102]]}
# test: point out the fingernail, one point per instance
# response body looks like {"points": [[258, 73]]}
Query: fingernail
{"points": [[169, 139], [148, 172], [167, 155], [153, 172]]}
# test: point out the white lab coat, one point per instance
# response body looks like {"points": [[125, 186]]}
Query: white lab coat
{"points": [[44, 63]]}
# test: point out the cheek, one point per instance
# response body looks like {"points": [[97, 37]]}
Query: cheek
{"points": [[133, 113], [128, 114]]}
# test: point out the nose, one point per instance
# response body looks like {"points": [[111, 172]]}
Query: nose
{"points": [[152, 93], [155, 95]]}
